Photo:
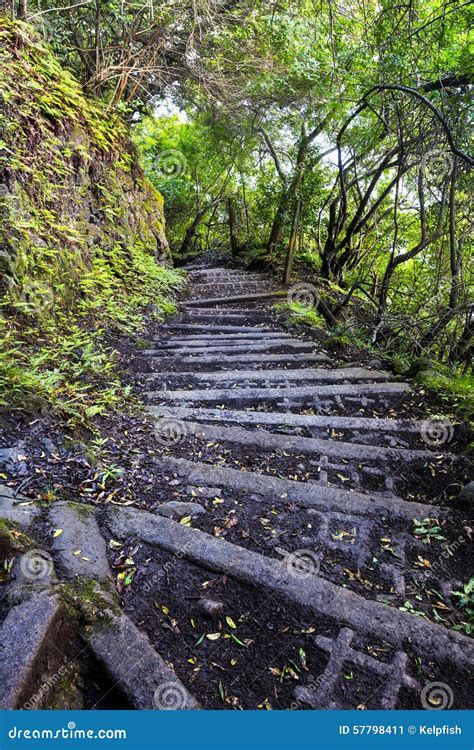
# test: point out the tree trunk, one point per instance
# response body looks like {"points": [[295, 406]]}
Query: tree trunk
{"points": [[190, 232], [463, 349], [276, 233], [234, 243], [22, 10], [292, 243]]}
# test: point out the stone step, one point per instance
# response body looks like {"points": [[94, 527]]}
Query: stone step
{"points": [[222, 337], [217, 328], [228, 299], [366, 617], [224, 272], [246, 360], [223, 340], [241, 348], [131, 662], [231, 287], [310, 374], [200, 318], [271, 394], [327, 447], [280, 419], [223, 311], [304, 494], [27, 648]]}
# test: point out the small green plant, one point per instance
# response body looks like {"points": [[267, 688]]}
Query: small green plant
{"points": [[428, 530], [465, 602]]}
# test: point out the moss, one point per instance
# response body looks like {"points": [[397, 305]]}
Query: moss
{"points": [[81, 510], [12, 539], [83, 249], [66, 692], [83, 598]]}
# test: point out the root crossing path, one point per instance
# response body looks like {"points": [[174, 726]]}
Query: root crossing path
{"points": [[305, 558]]}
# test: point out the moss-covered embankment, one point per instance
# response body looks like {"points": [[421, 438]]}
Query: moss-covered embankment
{"points": [[82, 242]]}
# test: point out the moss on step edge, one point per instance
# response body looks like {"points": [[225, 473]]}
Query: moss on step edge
{"points": [[82, 246], [85, 600]]}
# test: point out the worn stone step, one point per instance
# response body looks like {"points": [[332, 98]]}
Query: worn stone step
{"points": [[223, 311], [305, 494], [216, 328], [240, 348], [229, 299], [231, 287], [247, 360], [309, 374], [132, 663], [201, 339], [80, 550], [231, 318], [244, 347], [271, 394], [327, 447], [288, 419], [223, 340], [27, 648], [323, 597]]}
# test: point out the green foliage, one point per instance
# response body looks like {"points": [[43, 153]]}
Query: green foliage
{"points": [[454, 388], [465, 602], [81, 238], [298, 314]]}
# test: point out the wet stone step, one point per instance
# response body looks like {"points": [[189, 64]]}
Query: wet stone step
{"points": [[269, 345], [260, 648], [214, 328], [355, 429], [273, 377], [273, 393], [366, 617], [232, 298], [223, 339], [266, 439], [152, 360], [303, 494]]}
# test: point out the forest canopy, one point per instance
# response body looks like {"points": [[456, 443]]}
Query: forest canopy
{"points": [[340, 128]]}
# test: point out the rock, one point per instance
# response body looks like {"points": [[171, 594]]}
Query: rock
{"points": [[28, 636], [376, 364], [16, 508], [80, 549], [134, 665], [177, 509], [210, 609], [10, 459], [206, 492], [466, 496]]}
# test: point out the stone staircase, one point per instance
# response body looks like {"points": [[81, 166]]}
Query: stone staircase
{"points": [[287, 570]]}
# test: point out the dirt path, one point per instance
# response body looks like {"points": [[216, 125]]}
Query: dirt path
{"points": [[288, 570]]}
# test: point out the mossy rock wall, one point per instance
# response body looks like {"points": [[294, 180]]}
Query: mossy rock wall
{"points": [[72, 192], [83, 251]]}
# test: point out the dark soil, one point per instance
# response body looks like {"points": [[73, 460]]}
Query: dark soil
{"points": [[275, 649]]}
